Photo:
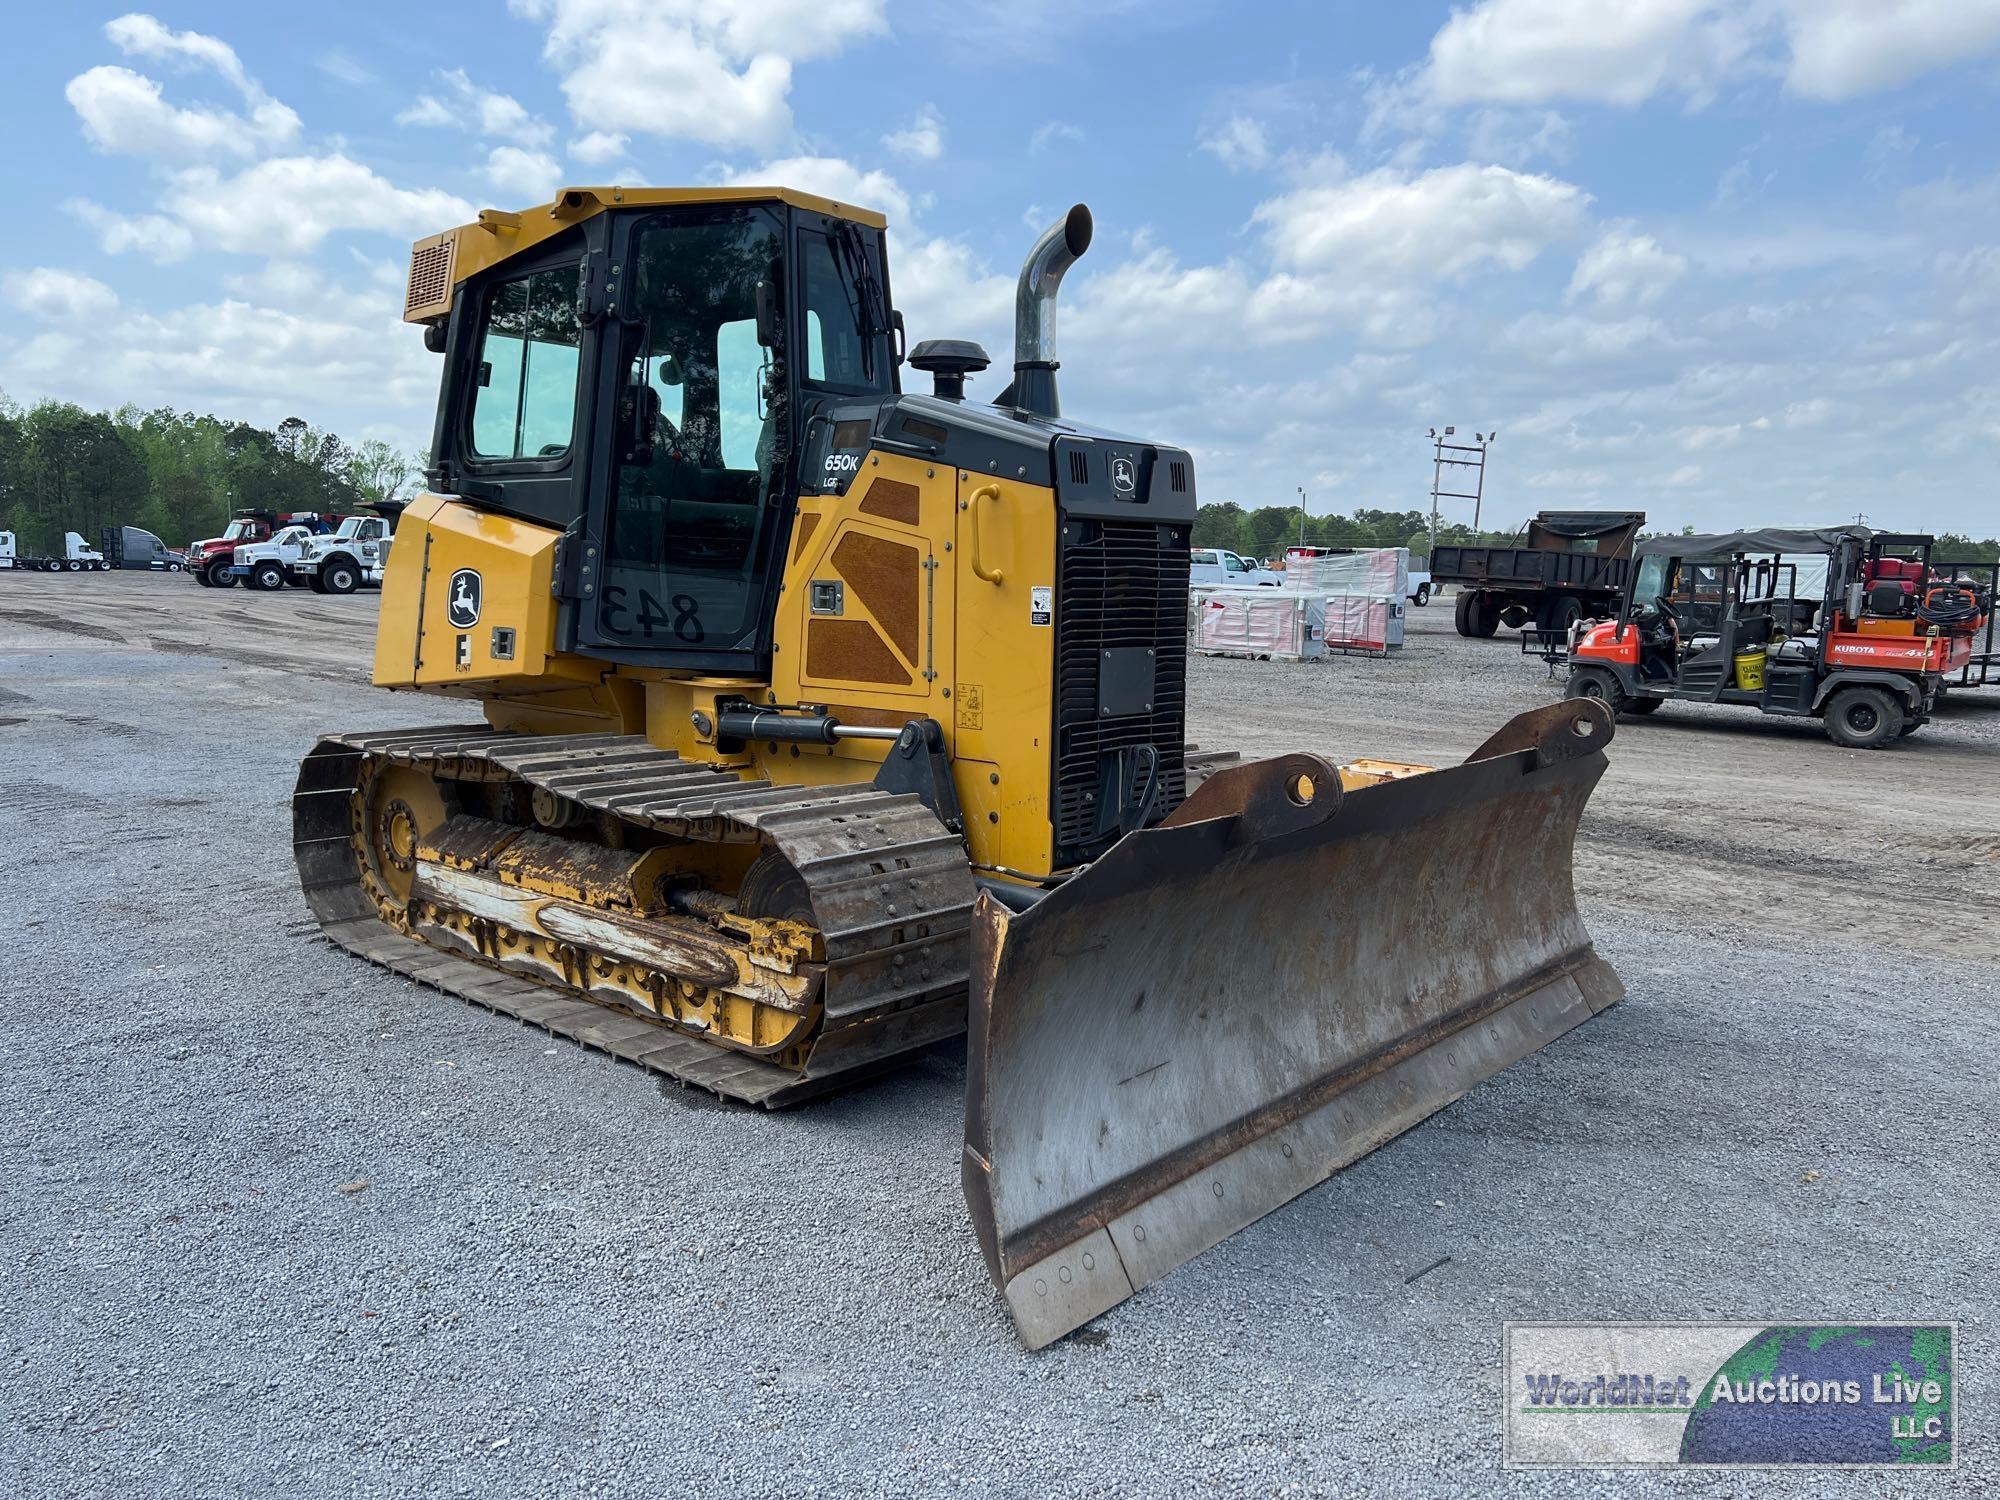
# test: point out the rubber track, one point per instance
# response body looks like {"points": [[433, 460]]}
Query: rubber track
{"points": [[890, 887]]}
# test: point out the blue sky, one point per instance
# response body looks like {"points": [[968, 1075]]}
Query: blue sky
{"points": [[1730, 261]]}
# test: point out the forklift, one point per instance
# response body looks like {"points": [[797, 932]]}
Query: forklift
{"points": [[1719, 619]]}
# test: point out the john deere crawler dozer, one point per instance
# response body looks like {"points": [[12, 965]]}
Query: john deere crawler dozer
{"points": [[823, 721]]}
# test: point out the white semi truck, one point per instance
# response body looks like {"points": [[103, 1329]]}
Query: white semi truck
{"points": [[77, 556]]}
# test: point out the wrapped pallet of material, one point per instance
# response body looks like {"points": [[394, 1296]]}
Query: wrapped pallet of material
{"points": [[1382, 572], [1277, 623], [1360, 622]]}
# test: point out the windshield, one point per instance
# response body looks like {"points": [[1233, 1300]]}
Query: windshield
{"points": [[1652, 581], [237, 530], [349, 526]]}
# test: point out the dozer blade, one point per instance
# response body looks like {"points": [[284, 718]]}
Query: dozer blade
{"points": [[1229, 1007]]}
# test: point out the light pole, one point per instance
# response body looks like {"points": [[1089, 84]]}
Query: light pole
{"points": [[1302, 515]]}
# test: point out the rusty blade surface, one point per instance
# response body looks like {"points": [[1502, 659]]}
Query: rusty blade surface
{"points": [[1228, 1008]]}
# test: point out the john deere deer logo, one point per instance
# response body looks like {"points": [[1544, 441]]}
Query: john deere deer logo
{"points": [[1124, 478], [462, 606]]}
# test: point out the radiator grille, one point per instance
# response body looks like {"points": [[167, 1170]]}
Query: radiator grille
{"points": [[430, 276], [1119, 583]]}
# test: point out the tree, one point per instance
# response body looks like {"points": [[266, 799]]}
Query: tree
{"points": [[380, 472]]}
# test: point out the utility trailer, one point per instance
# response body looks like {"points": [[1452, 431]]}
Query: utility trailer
{"points": [[1575, 564], [1982, 579], [77, 556]]}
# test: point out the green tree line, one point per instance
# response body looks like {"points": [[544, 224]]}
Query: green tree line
{"points": [[178, 475], [1270, 529]]}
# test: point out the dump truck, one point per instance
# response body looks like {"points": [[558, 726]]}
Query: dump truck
{"points": [[1574, 566], [821, 721]]}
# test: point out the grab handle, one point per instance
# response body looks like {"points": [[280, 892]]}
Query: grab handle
{"points": [[979, 568]]}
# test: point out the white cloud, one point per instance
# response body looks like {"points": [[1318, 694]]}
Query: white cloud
{"points": [[599, 146], [1533, 51], [718, 71], [1441, 223], [944, 291], [832, 177], [125, 112], [154, 236], [493, 115], [1625, 269], [1049, 132], [142, 36], [1516, 138], [1239, 144], [429, 111], [288, 205], [58, 296], [1841, 48], [525, 176], [922, 139], [1524, 52]]}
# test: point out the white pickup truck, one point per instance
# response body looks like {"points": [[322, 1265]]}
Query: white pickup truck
{"points": [[1210, 566], [264, 565], [339, 564]]}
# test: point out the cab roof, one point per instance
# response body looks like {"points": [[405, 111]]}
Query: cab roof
{"points": [[439, 262]]}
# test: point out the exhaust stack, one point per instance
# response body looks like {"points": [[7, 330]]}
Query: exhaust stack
{"points": [[1034, 387]]}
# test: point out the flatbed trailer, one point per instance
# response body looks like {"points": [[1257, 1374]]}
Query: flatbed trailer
{"points": [[1574, 566]]}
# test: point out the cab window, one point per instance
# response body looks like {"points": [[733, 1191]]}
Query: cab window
{"points": [[524, 397], [846, 346]]}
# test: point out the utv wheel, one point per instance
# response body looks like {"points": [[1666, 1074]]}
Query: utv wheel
{"points": [[1595, 682], [1863, 718], [218, 576], [341, 578], [269, 577]]}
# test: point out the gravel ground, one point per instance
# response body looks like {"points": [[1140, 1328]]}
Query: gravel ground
{"points": [[562, 1279]]}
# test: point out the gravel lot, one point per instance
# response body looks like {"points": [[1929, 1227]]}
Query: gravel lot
{"points": [[563, 1279]]}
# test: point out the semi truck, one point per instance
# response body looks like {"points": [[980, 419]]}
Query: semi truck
{"points": [[76, 557], [1573, 565], [137, 549]]}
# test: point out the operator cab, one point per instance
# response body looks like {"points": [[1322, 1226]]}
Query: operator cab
{"points": [[642, 381]]}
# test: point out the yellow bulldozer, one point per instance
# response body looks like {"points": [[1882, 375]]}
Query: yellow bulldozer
{"points": [[823, 721]]}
